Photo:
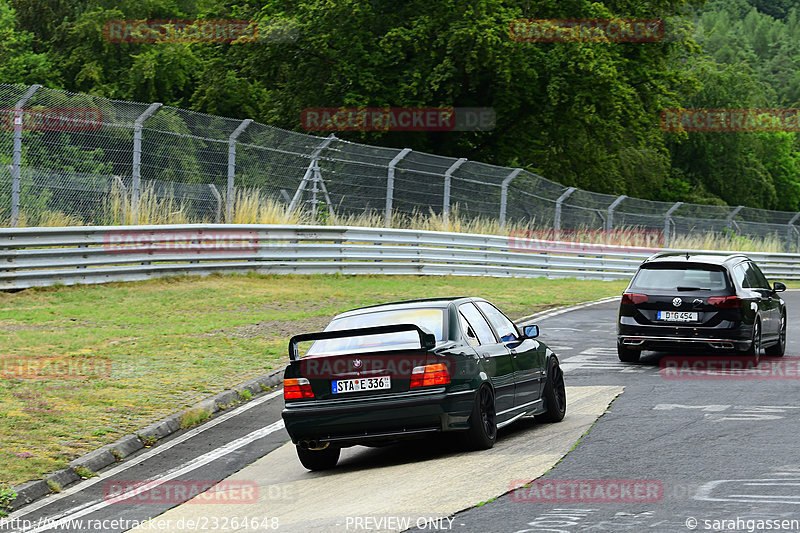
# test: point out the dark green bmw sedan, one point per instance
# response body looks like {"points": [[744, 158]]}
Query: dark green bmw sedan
{"points": [[403, 370]]}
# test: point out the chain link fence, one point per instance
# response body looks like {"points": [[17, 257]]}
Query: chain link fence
{"points": [[75, 159]]}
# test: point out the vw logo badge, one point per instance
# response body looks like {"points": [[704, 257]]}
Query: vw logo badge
{"points": [[677, 302], [357, 363]]}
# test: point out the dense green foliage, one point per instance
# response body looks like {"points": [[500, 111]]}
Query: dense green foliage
{"points": [[581, 113]]}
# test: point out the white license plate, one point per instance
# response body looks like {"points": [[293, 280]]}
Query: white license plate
{"points": [[361, 384], [677, 316]]}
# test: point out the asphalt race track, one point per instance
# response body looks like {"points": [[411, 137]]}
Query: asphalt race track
{"points": [[654, 452]]}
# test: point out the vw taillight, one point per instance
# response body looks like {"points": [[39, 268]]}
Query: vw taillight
{"points": [[633, 298], [297, 388], [726, 302], [423, 376]]}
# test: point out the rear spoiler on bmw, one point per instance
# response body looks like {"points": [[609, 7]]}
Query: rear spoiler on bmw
{"points": [[426, 340]]}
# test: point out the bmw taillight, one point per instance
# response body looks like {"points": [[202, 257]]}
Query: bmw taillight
{"points": [[726, 302], [633, 298], [423, 376], [297, 388]]}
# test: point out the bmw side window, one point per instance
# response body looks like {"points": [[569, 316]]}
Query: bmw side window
{"points": [[502, 325], [469, 332], [478, 323]]}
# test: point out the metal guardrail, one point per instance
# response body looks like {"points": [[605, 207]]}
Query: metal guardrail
{"points": [[32, 257]]}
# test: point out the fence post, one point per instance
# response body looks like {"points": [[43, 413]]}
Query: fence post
{"points": [[16, 162], [614, 204], [217, 196], [390, 186], [730, 222], [137, 159], [557, 218], [668, 221], [448, 175], [124, 190], [504, 195], [232, 167], [789, 232]]}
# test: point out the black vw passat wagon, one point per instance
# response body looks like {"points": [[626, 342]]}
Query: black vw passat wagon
{"points": [[688, 301]]}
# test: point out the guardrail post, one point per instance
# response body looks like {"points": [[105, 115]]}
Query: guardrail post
{"points": [[217, 196], [448, 175], [789, 230], [504, 194], [557, 218], [668, 221], [232, 167], [730, 222], [610, 219], [308, 175], [390, 186], [16, 162], [137, 159], [124, 191]]}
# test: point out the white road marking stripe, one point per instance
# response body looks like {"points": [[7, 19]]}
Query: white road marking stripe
{"points": [[194, 464], [145, 456], [560, 311]]}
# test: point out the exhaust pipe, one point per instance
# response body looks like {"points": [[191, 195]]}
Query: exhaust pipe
{"points": [[724, 345], [632, 342], [313, 445]]}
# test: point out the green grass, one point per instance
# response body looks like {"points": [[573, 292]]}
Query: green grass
{"points": [[144, 350]]}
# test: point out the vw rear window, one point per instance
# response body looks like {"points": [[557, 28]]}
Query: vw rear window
{"points": [[677, 277], [431, 320]]}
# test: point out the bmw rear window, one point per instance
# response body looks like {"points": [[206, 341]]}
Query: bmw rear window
{"points": [[431, 320], [686, 277]]}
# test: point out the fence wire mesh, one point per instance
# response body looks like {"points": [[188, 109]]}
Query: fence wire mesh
{"points": [[73, 159]]}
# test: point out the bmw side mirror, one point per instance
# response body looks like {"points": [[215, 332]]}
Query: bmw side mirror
{"points": [[531, 332], [778, 286]]}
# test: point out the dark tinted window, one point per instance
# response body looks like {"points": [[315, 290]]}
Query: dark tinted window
{"points": [[754, 278], [670, 277]]}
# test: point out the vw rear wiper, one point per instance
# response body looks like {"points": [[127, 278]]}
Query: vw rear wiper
{"points": [[692, 289]]}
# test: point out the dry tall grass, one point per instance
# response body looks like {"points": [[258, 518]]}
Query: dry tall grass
{"points": [[252, 206]]}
